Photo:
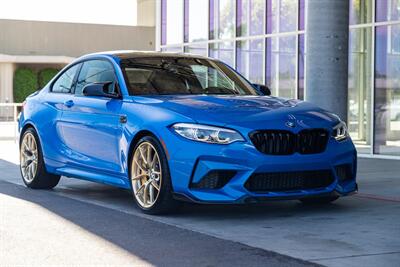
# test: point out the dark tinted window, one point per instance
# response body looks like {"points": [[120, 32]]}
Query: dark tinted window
{"points": [[183, 75], [95, 71], [65, 83]]}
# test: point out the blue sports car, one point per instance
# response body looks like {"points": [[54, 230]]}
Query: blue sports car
{"points": [[174, 127]]}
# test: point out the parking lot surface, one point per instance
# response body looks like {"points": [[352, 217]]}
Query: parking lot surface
{"points": [[81, 223]]}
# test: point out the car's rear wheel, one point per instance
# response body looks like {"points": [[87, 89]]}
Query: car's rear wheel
{"points": [[33, 170], [150, 178], [319, 200]]}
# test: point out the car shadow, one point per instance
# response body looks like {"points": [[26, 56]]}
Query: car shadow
{"points": [[137, 234]]}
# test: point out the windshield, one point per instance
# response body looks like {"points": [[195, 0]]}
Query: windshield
{"points": [[182, 76]]}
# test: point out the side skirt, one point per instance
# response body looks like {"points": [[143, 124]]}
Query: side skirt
{"points": [[94, 177]]}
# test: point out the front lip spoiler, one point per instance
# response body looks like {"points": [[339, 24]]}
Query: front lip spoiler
{"points": [[261, 199], [266, 199]]}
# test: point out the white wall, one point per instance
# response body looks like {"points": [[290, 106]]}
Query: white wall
{"points": [[19, 37], [146, 13], [6, 82]]}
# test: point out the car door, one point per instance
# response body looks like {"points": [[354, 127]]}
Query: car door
{"points": [[59, 92], [91, 124]]}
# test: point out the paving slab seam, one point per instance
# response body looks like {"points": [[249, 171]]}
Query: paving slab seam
{"points": [[355, 256], [377, 197]]}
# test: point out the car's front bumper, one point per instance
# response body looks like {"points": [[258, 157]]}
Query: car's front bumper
{"points": [[191, 161]]}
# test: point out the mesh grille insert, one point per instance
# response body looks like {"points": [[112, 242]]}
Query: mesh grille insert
{"points": [[288, 181]]}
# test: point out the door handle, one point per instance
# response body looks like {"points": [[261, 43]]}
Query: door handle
{"points": [[69, 103]]}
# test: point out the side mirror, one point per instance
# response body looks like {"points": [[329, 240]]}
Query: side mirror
{"points": [[99, 89], [263, 89]]}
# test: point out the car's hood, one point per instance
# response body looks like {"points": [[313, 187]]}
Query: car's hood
{"points": [[245, 111]]}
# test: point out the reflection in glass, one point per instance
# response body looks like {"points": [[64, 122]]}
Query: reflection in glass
{"points": [[196, 12], [281, 66], [301, 67], [249, 58], [222, 51], [387, 10], [196, 49], [171, 22], [302, 8], [174, 49], [387, 90], [250, 17], [163, 22], [281, 16], [222, 19], [359, 84], [360, 11]]}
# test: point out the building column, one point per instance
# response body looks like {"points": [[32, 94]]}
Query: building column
{"points": [[6, 82], [327, 34]]}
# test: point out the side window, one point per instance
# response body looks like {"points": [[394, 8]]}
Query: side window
{"points": [[65, 83], [96, 71]]}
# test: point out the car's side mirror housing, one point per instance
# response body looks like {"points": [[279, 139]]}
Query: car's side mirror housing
{"points": [[99, 89], [263, 89]]}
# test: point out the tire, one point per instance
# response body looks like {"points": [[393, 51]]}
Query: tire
{"points": [[318, 200], [149, 170], [32, 167]]}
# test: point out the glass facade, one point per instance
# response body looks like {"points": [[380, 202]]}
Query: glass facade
{"points": [[387, 90], [249, 59], [281, 64], [223, 51], [265, 41], [359, 112], [196, 27], [360, 11], [281, 16], [172, 22], [387, 10], [250, 17], [198, 49], [222, 19]]}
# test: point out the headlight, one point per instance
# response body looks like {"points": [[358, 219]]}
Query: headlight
{"points": [[340, 131], [207, 134]]}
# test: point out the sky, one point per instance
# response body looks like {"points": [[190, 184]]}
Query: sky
{"points": [[116, 12]]}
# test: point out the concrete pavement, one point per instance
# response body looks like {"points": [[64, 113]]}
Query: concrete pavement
{"points": [[362, 230], [42, 228]]}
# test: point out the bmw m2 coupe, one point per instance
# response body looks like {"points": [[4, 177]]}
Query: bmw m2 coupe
{"points": [[174, 127]]}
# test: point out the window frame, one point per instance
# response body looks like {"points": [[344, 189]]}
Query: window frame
{"points": [[117, 88], [61, 73]]}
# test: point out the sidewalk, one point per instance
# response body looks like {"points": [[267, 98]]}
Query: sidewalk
{"points": [[360, 230]]}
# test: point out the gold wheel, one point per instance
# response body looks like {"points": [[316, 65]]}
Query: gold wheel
{"points": [[146, 175]]}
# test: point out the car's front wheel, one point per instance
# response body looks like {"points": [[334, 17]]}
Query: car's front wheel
{"points": [[33, 170], [150, 178]]}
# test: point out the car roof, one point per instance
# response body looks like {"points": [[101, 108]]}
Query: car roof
{"points": [[127, 54]]}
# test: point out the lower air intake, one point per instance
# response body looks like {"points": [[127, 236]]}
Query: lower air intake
{"points": [[344, 172], [215, 179], [289, 181]]}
